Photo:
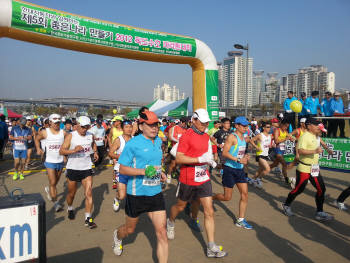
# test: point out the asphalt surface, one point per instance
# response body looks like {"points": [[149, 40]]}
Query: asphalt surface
{"points": [[275, 237]]}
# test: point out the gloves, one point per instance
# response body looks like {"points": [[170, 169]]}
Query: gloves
{"points": [[213, 163], [150, 171], [206, 158]]}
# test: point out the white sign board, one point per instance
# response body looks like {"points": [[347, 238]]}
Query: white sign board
{"points": [[222, 114], [19, 233]]}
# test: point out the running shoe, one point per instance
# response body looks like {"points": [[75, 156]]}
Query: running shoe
{"points": [[71, 214], [244, 223], [323, 216], [286, 180], [26, 167], [117, 247], [116, 205], [258, 184], [168, 178], [89, 222], [287, 210], [58, 207], [341, 206], [15, 176], [292, 182], [47, 190], [216, 252], [250, 180], [195, 225], [21, 176], [170, 230]]}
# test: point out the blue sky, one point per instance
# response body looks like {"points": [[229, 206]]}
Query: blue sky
{"points": [[283, 37]]}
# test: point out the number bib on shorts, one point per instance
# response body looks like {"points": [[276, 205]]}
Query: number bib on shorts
{"points": [[200, 173], [315, 170], [155, 180]]}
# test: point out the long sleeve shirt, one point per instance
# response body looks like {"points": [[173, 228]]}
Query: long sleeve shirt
{"points": [[303, 111], [286, 104], [337, 106], [311, 105], [326, 107]]}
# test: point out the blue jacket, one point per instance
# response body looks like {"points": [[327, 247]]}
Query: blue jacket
{"points": [[337, 106], [326, 107], [287, 102], [311, 105], [4, 133], [303, 111]]}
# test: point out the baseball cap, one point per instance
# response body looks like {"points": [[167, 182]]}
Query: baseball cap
{"points": [[202, 115], [312, 121], [274, 120], [322, 128], [84, 121], [117, 118], [177, 121], [28, 118], [148, 117], [302, 120], [241, 120], [55, 118]]}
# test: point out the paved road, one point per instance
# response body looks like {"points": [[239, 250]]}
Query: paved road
{"points": [[275, 238]]}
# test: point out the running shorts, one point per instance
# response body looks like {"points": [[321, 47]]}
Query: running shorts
{"points": [[137, 205], [20, 154], [54, 166], [233, 176], [78, 175], [189, 193]]}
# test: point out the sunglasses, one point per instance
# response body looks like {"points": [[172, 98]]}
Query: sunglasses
{"points": [[267, 127]]}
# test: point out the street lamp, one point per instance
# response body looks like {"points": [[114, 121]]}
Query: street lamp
{"points": [[238, 46]]}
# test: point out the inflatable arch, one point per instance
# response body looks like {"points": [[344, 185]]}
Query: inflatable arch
{"points": [[32, 23]]}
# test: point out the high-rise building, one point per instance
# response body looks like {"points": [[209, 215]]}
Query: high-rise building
{"points": [[258, 86], [268, 96], [233, 85], [167, 93]]}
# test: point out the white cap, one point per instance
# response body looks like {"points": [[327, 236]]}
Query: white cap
{"points": [[63, 119], [202, 115], [28, 118], [55, 118], [177, 121], [84, 120], [303, 120]]}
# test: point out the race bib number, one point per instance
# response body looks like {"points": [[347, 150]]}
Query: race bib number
{"points": [[282, 146], [200, 173], [20, 145], [53, 148], [155, 180], [241, 152], [315, 170]]}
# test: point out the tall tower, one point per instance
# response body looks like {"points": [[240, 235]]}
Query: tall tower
{"points": [[258, 85]]}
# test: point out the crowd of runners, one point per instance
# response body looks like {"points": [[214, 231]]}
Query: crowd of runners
{"points": [[148, 153]]}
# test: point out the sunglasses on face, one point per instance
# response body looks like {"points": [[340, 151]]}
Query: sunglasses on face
{"points": [[267, 127]]}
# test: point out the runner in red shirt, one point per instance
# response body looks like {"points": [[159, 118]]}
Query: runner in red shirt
{"points": [[194, 153]]}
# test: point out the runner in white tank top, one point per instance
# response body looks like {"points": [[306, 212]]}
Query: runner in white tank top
{"points": [[78, 145], [120, 181], [53, 138], [262, 142]]}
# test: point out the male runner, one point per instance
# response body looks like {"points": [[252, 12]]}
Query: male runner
{"points": [[115, 150], [194, 153], [141, 161], [20, 134], [30, 144], [220, 138], [236, 157], [99, 134], [54, 138], [309, 149], [78, 145]]}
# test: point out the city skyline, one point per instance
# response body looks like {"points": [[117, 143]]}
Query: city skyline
{"points": [[31, 70]]}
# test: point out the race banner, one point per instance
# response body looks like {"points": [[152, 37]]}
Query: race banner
{"points": [[72, 27], [340, 159]]}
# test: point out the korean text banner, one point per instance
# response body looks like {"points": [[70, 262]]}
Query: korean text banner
{"points": [[44, 21], [340, 159]]}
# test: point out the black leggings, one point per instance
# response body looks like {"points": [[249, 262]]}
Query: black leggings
{"points": [[300, 184], [101, 152], [345, 194]]}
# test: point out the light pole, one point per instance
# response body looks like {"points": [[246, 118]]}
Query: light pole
{"points": [[238, 46]]}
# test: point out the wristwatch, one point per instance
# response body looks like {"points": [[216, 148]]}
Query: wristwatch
{"points": [[238, 160]]}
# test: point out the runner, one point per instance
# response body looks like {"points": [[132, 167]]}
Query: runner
{"points": [[30, 144], [194, 154], [219, 140], [135, 125], [236, 157], [20, 134], [100, 139], [54, 138], [141, 161], [264, 140], [68, 126], [297, 133], [280, 137], [78, 145], [341, 198], [308, 169], [120, 181]]}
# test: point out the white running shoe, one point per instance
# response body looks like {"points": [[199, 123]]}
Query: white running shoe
{"points": [[216, 252], [117, 247], [257, 183], [170, 230], [47, 190], [341, 206], [287, 210], [168, 178], [58, 207], [116, 205], [323, 216], [250, 180], [292, 182]]}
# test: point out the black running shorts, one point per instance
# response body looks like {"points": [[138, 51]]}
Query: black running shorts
{"points": [[136, 205], [78, 175], [190, 193]]}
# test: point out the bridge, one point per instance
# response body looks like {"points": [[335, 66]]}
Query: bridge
{"points": [[74, 102]]}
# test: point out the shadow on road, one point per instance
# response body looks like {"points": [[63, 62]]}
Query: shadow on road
{"points": [[91, 255]]}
